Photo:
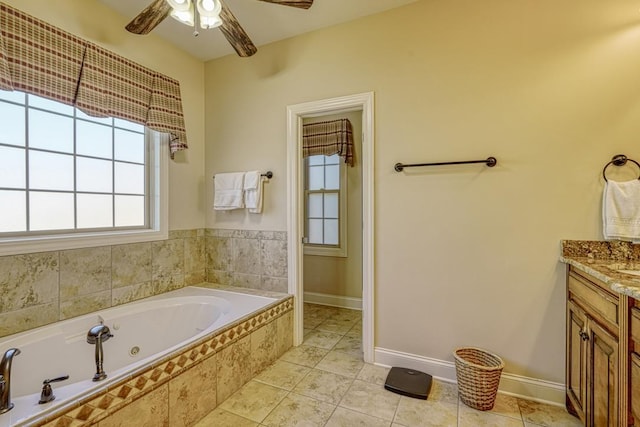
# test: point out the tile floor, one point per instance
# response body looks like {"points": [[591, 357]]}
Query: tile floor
{"points": [[324, 382]]}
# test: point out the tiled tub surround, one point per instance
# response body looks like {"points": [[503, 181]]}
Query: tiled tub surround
{"points": [[184, 386], [249, 259], [602, 260], [41, 288]]}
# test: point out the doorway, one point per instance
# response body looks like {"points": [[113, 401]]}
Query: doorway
{"points": [[296, 114]]}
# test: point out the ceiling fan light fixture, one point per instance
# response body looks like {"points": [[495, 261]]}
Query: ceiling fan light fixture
{"points": [[209, 11], [184, 17], [180, 5]]}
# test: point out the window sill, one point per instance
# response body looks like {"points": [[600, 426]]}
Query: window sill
{"points": [[24, 245], [330, 252]]}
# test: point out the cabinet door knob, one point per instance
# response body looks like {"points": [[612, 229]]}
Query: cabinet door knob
{"points": [[584, 336]]}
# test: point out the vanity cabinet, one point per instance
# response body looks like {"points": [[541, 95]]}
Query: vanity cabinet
{"points": [[593, 352], [634, 364], [635, 388]]}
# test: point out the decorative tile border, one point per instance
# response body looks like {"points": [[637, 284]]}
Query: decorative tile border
{"points": [[115, 397]]}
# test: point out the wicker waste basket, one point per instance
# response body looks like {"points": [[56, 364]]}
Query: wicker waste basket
{"points": [[478, 373]]}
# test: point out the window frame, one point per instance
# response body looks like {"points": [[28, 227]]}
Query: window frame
{"points": [[339, 250], [157, 229]]}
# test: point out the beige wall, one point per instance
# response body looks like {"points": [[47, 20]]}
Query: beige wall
{"points": [[465, 255], [342, 276], [93, 21]]}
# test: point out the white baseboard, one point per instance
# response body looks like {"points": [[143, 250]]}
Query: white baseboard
{"points": [[333, 300], [515, 385]]}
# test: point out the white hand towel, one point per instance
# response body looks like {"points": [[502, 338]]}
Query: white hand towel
{"points": [[621, 210], [228, 191], [253, 191]]}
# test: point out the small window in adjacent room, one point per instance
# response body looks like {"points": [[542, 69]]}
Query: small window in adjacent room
{"points": [[325, 206], [67, 178]]}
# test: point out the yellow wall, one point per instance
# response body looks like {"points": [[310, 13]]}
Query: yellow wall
{"points": [[464, 255], [93, 21]]}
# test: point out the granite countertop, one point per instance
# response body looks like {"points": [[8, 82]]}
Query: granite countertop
{"points": [[604, 260]]}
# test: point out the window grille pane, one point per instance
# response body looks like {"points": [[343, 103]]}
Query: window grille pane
{"points": [[50, 171], [334, 159], [94, 175], [48, 104], [14, 96], [50, 131], [129, 146], [69, 158], [14, 134], [314, 209], [95, 210], [331, 232], [316, 160], [129, 178], [315, 231], [50, 211], [93, 139], [129, 211], [332, 181], [12, 168], [104, 120], [128, 125], [14, 219], [331, 205], [316, 178]]}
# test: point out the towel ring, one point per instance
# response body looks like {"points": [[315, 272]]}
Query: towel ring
{"points": [[618, 160]]}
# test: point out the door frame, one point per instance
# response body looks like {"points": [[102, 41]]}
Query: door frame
{"points": [[295, 224]]}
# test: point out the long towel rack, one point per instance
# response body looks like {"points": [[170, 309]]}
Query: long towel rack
{"points": [[267, 174], [489, 161]]}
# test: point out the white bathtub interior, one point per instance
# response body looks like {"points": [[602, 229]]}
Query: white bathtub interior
{"points": [[143, 332]]}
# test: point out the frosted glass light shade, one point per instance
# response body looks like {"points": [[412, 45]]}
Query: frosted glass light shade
{"points": [[186, 17], [180, 5], [207, 22], [209, 11]]}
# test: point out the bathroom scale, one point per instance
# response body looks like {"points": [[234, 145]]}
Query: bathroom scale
{"points": [[408, 382]]}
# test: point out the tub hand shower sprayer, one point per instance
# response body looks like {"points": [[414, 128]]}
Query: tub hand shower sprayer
{"points": [[97, 335]]}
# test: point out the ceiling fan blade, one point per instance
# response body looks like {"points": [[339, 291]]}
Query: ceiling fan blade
{"points": [[234, 33], [149, 18], [302, 4]]}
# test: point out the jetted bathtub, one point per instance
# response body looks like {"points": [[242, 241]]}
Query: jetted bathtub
{"points": [[143, 332]]}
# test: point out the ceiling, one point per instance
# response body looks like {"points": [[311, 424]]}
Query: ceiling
{"points": [[264, 22]]}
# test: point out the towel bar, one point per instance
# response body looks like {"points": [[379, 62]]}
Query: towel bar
{"points": [[267, 174], [489, 161]]}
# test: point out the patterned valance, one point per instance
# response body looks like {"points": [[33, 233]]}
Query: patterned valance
{"points": [[328, 138], [43, 60]]}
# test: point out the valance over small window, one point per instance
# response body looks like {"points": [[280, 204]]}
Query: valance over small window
{"points": [[43, 60], [328, 138]]}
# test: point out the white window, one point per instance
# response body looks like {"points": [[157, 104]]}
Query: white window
{"points": [[71, 180], [325, 206]]}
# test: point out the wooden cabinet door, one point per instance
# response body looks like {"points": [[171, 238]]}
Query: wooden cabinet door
{"points": [[576, 371], [634, 389], [602, 362]]}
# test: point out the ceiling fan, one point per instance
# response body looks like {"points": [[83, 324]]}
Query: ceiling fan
{"points": [[206, 14]]}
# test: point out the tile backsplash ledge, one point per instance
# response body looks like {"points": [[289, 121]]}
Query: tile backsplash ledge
{"points": [[41, 288]]}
